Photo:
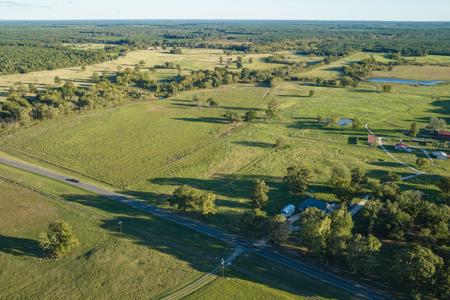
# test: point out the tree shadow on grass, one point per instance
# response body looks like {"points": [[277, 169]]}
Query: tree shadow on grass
{"points": [[102, 203], [204, 120], [19, 246], [334, 69], [192, 104], [4, 93], [293, 96], [306, 123], [320, 188], [222, 185], [255, 144], [381, 174], [240, 108], [442, 107], [197, 250], [184, 105], [427, 184], [239, 187], [312, 123], [200, 252], [360, 90], [154, 197], [388, 164]]}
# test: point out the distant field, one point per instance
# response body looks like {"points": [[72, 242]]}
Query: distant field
{"points": [[86, 46], [191, 59], [334, 69], [430, 59], [417, 73]]}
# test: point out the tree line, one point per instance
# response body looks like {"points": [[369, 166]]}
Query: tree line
{"points": [[24, 59]]}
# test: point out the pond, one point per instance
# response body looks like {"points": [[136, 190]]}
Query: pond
{"points": [[344, 121], [405, 81]]}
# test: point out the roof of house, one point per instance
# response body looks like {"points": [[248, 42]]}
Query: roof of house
{"points": [[372, 138], [325, 206]]}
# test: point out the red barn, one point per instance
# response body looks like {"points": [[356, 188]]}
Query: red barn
{"points": [[373, 139]]}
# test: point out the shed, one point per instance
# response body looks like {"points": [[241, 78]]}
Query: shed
{"points": [[440, 155]]}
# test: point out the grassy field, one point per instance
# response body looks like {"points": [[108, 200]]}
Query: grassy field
{"points": [[151, 148], [253, 278], [191, 59], [90, 46], [150, 257], [334, 69], [417, 73], [430, 59]]}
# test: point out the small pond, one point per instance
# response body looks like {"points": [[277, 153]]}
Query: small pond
{"points": [[344, 121], [405, 81]]}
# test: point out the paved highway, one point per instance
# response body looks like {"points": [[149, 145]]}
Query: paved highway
{"points": [[234, 240]]}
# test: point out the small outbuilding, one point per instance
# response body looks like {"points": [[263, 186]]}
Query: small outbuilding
{"points": [[440, 155], [288, 211]]}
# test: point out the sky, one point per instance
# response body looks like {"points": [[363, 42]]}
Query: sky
{"points": [[389, 10]]}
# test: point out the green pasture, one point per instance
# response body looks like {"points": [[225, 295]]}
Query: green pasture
{"points": [[150, 148], [253, 278], [150, 257]]}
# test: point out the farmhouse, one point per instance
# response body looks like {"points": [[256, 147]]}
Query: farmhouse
{"points": [[322, 205]]}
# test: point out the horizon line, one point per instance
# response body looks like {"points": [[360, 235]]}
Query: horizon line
{"points": [[223, 19]]}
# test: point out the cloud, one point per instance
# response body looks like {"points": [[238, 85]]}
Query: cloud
{"points": [[19, 4]]}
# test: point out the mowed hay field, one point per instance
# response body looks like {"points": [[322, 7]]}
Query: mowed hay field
{"points": [[191, 59], [149, 258], [417, 73], [143, 138], [430, 59], [334, 69], [151, 148]]}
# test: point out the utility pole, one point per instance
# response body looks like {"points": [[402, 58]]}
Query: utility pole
{"points": [[222, 263], [120, 226]]}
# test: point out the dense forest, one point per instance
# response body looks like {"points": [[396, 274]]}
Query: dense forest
{"points": [[39, 45], [23, 59]]}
